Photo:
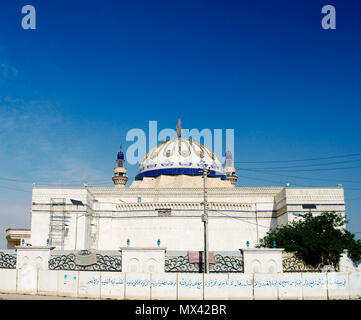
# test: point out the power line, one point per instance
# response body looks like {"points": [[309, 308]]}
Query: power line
{"points": [[261, 179], [15, 189], [297, 177], [14, 180], [241, 219], [297, 160], [302, 170], [46, 182], [306, 165], [351, 199]]}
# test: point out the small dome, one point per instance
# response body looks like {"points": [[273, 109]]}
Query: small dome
{"points": [[179, 156]]}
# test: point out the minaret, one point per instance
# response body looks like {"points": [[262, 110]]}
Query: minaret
{"points": [[120, 172], [230, 170]]}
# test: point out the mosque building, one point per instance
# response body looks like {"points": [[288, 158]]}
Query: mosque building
{"points": [[165, 203]]}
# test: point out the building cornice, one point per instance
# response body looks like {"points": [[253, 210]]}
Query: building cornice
{"points": [[183, 205], [18, 233], [181, 192]]}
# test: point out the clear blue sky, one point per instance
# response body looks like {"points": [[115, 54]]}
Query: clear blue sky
{"points": [[71, 89]]}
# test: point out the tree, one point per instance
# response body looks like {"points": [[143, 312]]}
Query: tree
{"points": [[317, 240]]}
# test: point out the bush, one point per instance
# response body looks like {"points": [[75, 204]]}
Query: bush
{"points": [[317, 240]]}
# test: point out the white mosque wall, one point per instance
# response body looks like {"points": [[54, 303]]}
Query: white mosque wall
{"points": [[262, 260], [28, 275], [48, 282], [325, 199], [32, 255], [314, 286], [81, 239], [354, 282], [8, 280], [28, 263], [320, 195], [112, 285], [39, 228], [289, 201], [89, 284], [168, 286], [290, 286], [265, 286], [337, 285], [181, 233], [174, 233], [143, 259], [43, 196], [75, 235], [68, 283], [164, 286], [137, 286], [230, 225], [216, 287], [40, 214], [240, 286], [190, 286], [236, 215]]}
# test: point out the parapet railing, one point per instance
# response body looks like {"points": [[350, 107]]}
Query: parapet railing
{"points": [[8, 260], [85, 260], [223, 263]]}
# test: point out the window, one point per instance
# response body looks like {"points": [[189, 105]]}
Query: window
{"points": [[164, 212], [308, 206]]}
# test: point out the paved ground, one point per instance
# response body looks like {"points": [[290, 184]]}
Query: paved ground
{"points": [[4, 296]]}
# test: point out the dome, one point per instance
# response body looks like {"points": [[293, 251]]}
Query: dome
{"points": [[179, 156]]}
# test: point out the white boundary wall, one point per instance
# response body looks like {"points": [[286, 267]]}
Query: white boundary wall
{"points": [[182, 286]]}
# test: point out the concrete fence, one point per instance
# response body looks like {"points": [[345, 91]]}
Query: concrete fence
{"points": [[182, 286]]}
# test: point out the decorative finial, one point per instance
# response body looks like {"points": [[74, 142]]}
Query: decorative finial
{"points": [[179, 128]]}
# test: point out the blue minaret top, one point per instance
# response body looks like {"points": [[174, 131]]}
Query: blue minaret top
{"points": [[120, 154], [120, 158]]}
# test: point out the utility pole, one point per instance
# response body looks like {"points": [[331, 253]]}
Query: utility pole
{"points": [[205, 221], [256, 211]]}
